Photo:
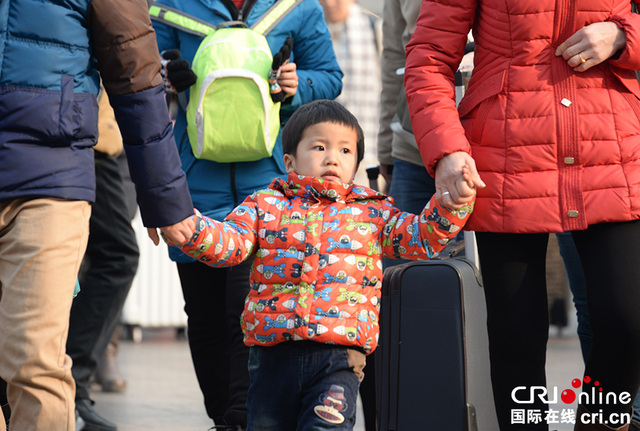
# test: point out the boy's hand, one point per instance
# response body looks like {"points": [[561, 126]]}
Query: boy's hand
{"points": [[457, 180], [174, 234], [466, 181]]}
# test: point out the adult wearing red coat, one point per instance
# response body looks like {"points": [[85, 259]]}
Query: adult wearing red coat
{"points": [[551, 120]]}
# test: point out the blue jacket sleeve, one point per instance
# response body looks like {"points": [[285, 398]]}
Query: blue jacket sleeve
{"points": [[147, 133], [125, 48]]}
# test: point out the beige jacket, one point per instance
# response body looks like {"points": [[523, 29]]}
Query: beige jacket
{"points": [[109, 137]]}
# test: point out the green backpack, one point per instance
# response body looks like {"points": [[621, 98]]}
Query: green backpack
{"points": [[230, 116]]}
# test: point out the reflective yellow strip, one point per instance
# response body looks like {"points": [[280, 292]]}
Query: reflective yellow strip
{"points": [[154, 10], [175, 19], [272, 16]]}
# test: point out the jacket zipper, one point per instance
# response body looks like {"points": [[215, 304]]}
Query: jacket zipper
{"points": [[236, 14]]}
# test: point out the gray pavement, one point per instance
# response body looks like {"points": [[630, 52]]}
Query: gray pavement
{"points": [[163, 394]]}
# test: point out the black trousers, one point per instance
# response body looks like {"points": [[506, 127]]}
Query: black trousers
{"points": [[214, 300], [513, 271], [107, 271], [4, 403]]}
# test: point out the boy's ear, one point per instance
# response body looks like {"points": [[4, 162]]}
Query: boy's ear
{"points": [[289, 163]]}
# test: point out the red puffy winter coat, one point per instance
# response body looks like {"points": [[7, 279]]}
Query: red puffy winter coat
{"points": [[559, 150]]}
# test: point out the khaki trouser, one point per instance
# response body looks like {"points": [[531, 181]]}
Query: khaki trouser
{"points": [[42, 242]]}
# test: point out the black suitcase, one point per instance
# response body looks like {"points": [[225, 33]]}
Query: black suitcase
{"points": [[432, 362]]}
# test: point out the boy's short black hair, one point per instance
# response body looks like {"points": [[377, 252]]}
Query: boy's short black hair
{"points": [[319, 111]]}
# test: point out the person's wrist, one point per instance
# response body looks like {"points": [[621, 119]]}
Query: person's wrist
{"points": [[445, 156], [620, 42]]}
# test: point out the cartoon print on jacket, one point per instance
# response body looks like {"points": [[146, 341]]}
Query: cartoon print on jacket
{"points": [[319, 284]]}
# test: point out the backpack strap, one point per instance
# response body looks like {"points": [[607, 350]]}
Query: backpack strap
{"points": [[231, 24], [180, 20], [190, 24], [274, 15]]}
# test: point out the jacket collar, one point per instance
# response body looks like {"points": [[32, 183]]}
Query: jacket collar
{"points": [[228, 11], [318, 189]]}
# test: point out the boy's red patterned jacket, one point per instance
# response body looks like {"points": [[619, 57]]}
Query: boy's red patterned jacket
{"points": [[318, 247]]}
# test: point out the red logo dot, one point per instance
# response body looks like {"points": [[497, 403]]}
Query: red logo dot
{"points": [[576, 383], [587, 379], [596, 383], [568, 396]]}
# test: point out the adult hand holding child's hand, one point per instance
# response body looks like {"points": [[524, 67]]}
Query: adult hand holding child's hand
{"points": [[175, 233], [457, 180]]}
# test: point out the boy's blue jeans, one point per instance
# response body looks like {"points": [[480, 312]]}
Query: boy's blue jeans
{"points": [[303, 386]]}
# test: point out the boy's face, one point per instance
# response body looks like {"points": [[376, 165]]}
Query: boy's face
{"points": [[326, 150]]}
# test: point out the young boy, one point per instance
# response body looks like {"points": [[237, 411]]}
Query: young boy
{"points": [[317, 241]]}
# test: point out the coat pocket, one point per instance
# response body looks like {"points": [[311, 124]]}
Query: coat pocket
{"points": [[77, 115], [480, 91], [626, 83], [480, 98], [628, 79], [48, 117]]}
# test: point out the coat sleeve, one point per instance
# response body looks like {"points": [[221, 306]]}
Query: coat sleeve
{"points": [[226, 243], [629, 23], [125, 48], [319, 75], [423, 236], [433, 55]]}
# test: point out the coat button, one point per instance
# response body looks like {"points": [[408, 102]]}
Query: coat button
{"points": [[566, 102], [573, 213], [569, 160]]}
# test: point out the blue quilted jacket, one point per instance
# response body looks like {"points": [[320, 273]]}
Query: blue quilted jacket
{"points": [[52, 55]]}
